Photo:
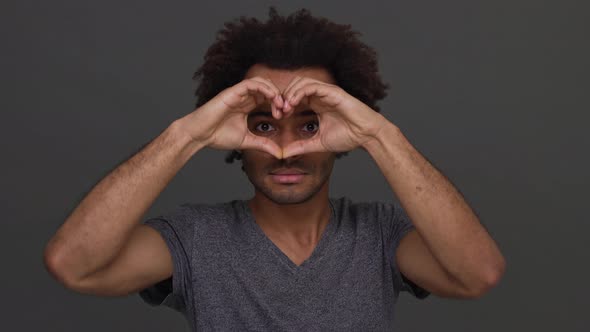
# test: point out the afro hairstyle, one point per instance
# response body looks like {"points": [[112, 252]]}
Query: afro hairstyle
{"points": [[297, 41]]}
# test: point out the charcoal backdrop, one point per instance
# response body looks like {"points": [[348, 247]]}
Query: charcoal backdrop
{"points": [[494, 93]]}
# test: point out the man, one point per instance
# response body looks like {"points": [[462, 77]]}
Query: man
{"points": [[291, 257]]}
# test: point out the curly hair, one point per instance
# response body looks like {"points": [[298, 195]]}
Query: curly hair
{"points": [[297, 41]]}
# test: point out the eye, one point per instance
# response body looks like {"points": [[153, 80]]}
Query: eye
{"points": [[311, 125], [264, 125]]}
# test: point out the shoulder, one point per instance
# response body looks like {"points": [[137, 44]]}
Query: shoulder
{"points": [[374, 210], [189, 214], [375, 213], [205, 213]]}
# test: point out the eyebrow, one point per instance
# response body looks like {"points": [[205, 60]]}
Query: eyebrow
{"points": [[267, 114]]}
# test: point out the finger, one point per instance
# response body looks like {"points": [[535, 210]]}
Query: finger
{"points": [[293, 82], [287, 92], [260, 143], [311, 89], [276, 112], [291, 102], [258, 88], [303, 146], [253, 90], [277, 102], [269, 83]]}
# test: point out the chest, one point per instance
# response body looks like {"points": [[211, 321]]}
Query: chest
{"points": [[329, 295], [295, 252], [277, 285]]}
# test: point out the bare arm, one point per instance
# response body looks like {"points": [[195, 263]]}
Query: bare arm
{"points": [[102, 248], [98, 228], [450, 243]]}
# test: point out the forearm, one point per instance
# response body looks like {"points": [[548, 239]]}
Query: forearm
{"points": [[441, 216], [96, 230]]}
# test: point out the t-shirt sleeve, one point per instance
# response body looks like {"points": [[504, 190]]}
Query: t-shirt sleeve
{"points": [[398, 225], [176, 229]]}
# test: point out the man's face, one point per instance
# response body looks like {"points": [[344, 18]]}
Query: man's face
{"points": [[259, 166]]}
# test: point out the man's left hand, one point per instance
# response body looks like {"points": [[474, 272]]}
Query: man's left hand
{"points": [[345, 122]]}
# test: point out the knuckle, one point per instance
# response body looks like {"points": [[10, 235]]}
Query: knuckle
{"points": [[260, 79]]}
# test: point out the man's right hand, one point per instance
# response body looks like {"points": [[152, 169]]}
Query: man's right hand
{"points": [[101, 249], [221, 123]]}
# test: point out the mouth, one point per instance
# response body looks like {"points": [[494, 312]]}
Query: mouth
{"points": [[283, 176], [284, 171], [287, 178]]}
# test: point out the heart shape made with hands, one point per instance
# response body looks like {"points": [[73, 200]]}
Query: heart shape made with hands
{"points": [[345, 122]]}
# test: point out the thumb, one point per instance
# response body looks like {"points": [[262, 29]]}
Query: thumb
{"points": [[260, 143], [303, 146]]}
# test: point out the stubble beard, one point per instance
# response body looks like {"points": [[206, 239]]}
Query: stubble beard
{"points": [[295, 193]]}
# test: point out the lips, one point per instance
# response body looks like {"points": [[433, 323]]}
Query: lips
{"points": [[284, 171], [287, 178], [287, 175]]}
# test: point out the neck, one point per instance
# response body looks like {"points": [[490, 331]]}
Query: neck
{"points": [[303, 222]]}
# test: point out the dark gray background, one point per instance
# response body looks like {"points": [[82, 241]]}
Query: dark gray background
{"points": [[494, 93]]}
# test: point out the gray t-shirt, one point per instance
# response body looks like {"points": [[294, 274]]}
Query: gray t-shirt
{"points": [[228, 275]]}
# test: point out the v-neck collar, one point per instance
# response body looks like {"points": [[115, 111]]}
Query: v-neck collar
{"points": [[268, 244]]}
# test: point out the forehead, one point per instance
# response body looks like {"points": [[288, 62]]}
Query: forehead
{"points": [[282, 77]]}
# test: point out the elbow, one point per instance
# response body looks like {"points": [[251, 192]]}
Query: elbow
{"points": [[54, 266], [490, 279], [51, 263]]}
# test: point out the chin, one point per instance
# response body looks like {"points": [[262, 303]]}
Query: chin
{"points": [[288, 198], [287, 193]]}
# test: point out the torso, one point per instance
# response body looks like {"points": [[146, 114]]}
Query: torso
{"points": [[297, 253]]}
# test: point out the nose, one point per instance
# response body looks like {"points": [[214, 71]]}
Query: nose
{"points": [[287, 136]]}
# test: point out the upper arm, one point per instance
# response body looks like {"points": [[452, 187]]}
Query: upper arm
{"points": [[143, 261], [416, 262]]}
